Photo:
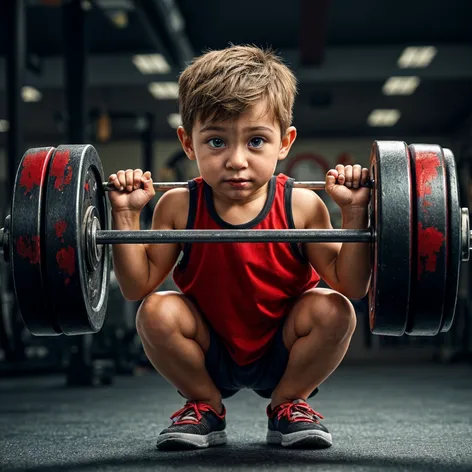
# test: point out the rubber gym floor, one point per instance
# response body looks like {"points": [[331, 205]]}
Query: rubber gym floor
{"points": [[391, 418]]}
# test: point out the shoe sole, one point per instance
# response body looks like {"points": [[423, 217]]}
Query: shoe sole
{"points": [[301, 439], [178, 441]]}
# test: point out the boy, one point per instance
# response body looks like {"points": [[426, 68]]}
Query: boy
{"points": [[249, 314]]}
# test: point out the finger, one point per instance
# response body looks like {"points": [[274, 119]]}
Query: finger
{"points": [[129, 180], [330, 180], [341, 176], [356, 175], [348, 174], [113, 180], [137, 174], [146, 179], [146, 176], [365, 176], [122, 179]]}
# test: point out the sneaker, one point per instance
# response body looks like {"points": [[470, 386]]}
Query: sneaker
{"points": [[196, 425], [296, 424]]}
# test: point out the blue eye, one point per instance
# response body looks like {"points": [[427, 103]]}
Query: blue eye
{"points": [[257, 142], [216, 143]]}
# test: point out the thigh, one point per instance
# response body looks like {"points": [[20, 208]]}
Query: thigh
{"points": [[193, 325]]}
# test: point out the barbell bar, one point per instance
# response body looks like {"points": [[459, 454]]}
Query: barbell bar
{"points": [[165, 186], [231, 236], [56, 235]]}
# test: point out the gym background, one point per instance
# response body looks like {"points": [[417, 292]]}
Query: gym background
{"points": [[105, 72]]}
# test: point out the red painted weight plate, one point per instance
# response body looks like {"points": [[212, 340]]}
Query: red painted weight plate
{"points": [[391, 221], [454, 259], [428, 291], [27, 257], [79, 290]]}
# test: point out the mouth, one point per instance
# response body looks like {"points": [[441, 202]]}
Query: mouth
{"points": [[238, 183]]}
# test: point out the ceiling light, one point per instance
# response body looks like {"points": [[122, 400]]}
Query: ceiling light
{"points": [[174, 120], [416, 57], [151, 64], [30, 94], [119, 18], [164, 90], [4, 126], [401, 85], [383, 117], [86, 5]]}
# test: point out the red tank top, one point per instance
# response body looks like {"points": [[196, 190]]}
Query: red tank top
{"points": [[244, 289]]}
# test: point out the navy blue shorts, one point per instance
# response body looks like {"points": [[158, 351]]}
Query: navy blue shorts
{"points": [[262, 375]]}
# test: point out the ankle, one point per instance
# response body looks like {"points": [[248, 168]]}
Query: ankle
{"points": [[276, 401], [216, 404]]}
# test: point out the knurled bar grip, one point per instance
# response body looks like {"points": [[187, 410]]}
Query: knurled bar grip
{"points": [[164, 186], [233, 236]]}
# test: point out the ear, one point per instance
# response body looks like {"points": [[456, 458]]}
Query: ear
{"points": [[287, 140], [186, 141]]}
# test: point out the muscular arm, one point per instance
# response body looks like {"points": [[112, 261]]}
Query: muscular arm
{"points": [[344, 267], [141, 268]]}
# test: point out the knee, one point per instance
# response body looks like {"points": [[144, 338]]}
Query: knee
{"points": [[157, 317], [340, 319], [335, 316]]}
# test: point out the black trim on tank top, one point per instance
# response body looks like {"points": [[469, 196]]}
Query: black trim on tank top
{"points": [[295, 247], [264, 212], [192, 213]]}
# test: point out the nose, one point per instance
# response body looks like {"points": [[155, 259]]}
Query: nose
{"points": [[237, 160]]}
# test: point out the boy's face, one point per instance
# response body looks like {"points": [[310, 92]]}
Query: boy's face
{"points": [[237, 157]]}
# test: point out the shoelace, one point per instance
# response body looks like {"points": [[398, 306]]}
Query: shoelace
{"points": [[190, 413], [298, 411]]}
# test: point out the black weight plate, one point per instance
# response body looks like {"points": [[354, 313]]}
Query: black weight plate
{"points": [[391, 220], [27, 257], [454, 259], [79, 292], [431, 230]]}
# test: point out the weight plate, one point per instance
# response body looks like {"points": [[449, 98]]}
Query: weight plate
{"points": [[391, 220], [431, 229], [27, 257], [78, 290], [454, 239]]}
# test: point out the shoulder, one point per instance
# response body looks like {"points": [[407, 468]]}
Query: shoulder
{"points": [[172, 207], [307, 208], [304, 199]]}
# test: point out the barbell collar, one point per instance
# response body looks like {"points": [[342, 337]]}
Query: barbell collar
{"points": [[165, 186], [466, 234], [233, 236]]}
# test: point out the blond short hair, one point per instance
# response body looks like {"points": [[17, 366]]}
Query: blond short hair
{"points": [[219, 85]]}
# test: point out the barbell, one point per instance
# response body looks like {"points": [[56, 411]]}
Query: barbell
{"points": [[56, 238]]}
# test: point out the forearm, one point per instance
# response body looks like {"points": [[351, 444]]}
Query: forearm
{"points": [[130, 261], [353, 264]]}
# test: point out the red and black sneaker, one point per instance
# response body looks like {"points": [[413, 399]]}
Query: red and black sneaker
{"points": [[296, 424], [196, 425]]}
